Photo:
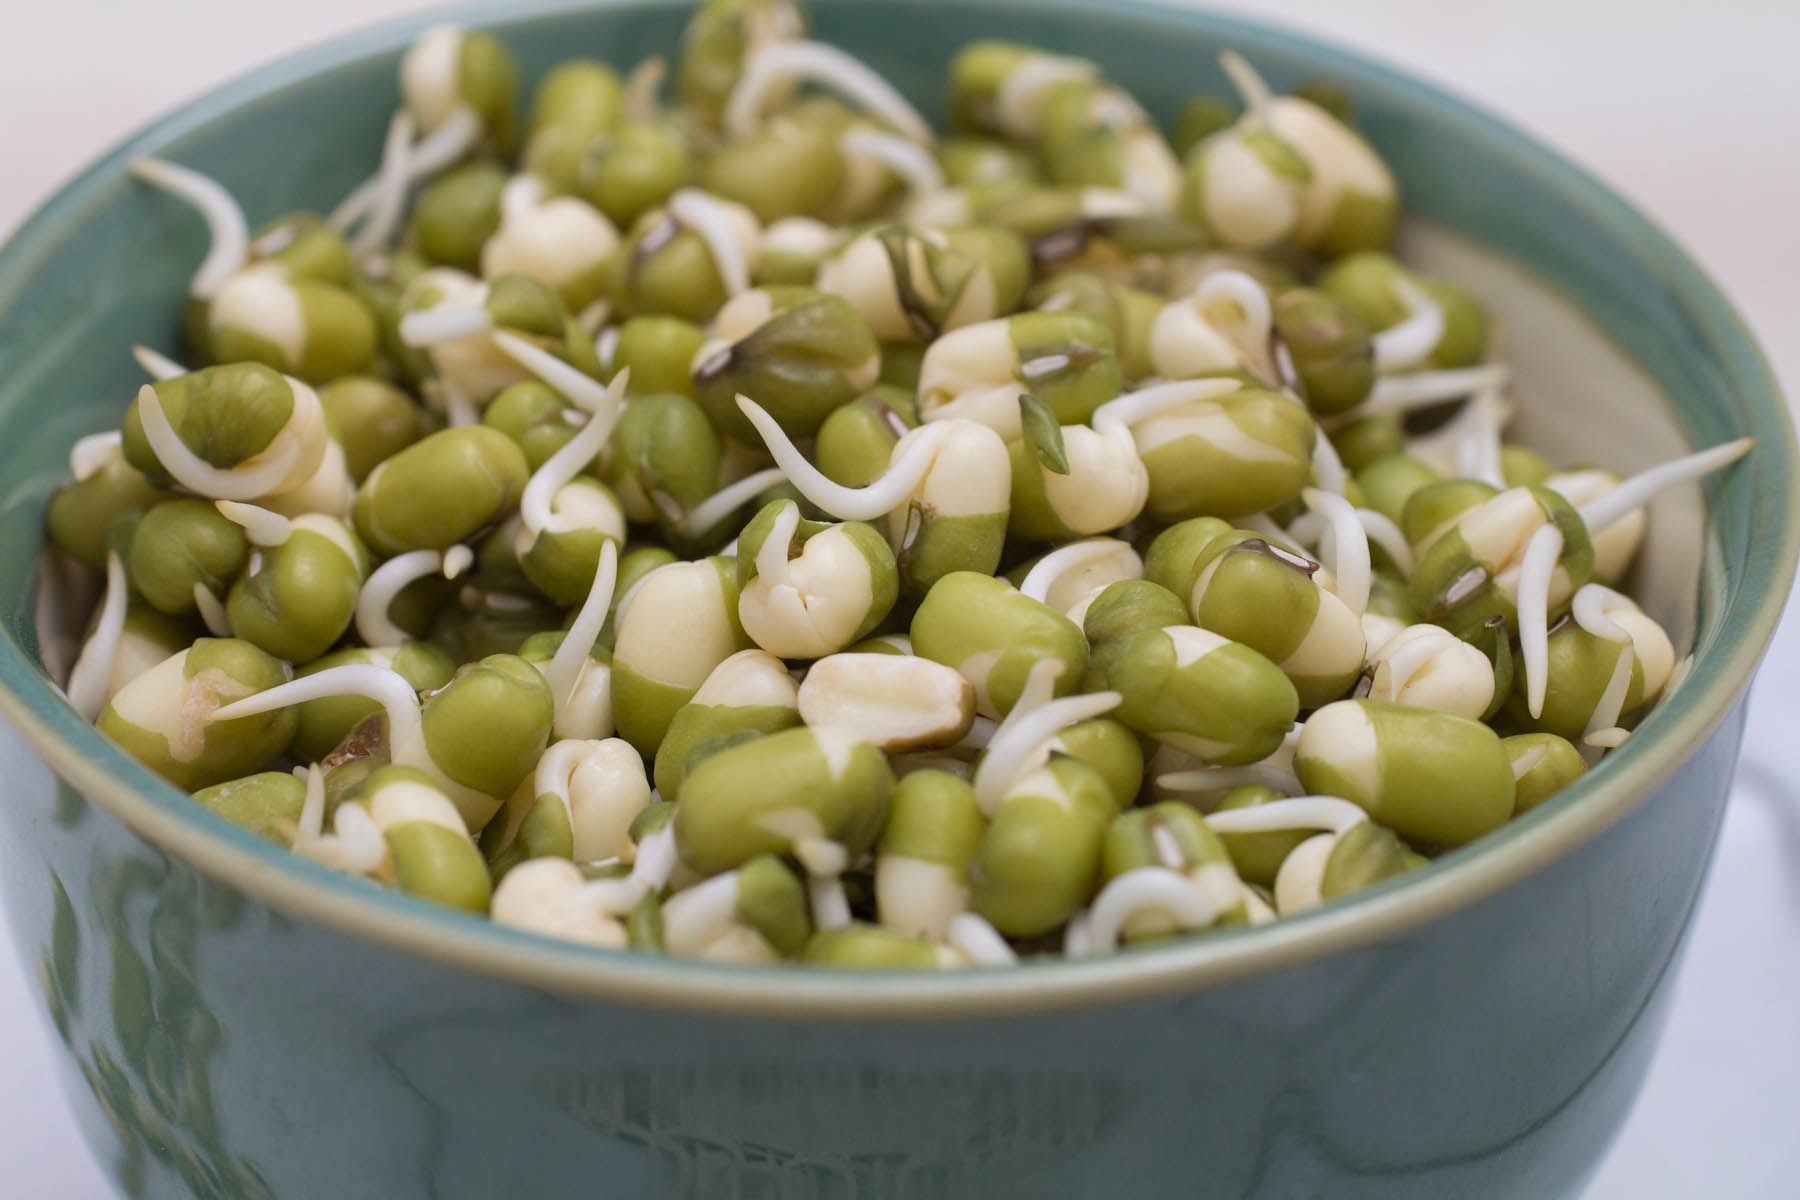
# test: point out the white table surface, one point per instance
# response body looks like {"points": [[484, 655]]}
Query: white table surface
{"points": [[1692, 109]]}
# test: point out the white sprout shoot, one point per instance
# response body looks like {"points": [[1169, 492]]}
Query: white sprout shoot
{"points": [[452, 139], [1327, 467], [355, 846], [94, 451], [703, 214], [1264, 526], [1021, 744], [1380, 529], [387, 687], [906, 158], [1276, 772], [583, 391], [390, 188], [225, 222], [978, 941], [91, 676], [537, 502], [260, 525], [1250, 88], [447, 322], [650, 871], [1242, 290], [830, 906], [1478, 446], [156, 364], [374, 625], [1522, 765], [912, 459], [1156, 888], [1256, 909], [1127, 410], [1593, 607], [1401, 393], [563, 672], [243, 482], [1349, 558], [1610, 738], [459, 410], [1638, 490], [212, 611], [639, 102], [1536, 567], [818, 63], [1076, 942], [1066, 560], [1408, 344], [727, 500], [1611, 705], [697, 916], [1017, 94], [772, 561], [1331, 813]]}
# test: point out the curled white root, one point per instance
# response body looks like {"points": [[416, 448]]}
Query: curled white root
{"points": [[450, 141], [1069, 560], [1328, 468], [1349, 559], [822, 64], [1406, 345], [906, 158], [563, 673], [907, 468], [246, 482], [571, 458], [1593, 607], [1536, 567], [1021, 742], [1251, 89], [1155, 888], [704, 215], [374, 625], [1130, 408], [971, 935], [261, 526], [390, 188], [224, 220], [583, 391], [385, 686], [93, 670]]}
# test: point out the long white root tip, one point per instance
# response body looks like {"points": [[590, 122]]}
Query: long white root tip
{"points": [[262, 526], [570, 459], [583, 391], [1641, 488], [201, 477], [374, 625], [564, 669], [1408, 344], [1250, 87], [1535, 570], [906, 470], [225, 222], [1020, 744], [156, 365], [389, 203], [1130, 408], [1331, 813], [1349, 560], [93, 670], [1156, 888], [383, 685], [822, 64], [905, 157], [715, 508], [979, 942], [702, 213]]}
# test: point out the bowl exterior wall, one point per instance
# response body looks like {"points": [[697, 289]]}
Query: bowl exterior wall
{"points": [[216, 1048]]}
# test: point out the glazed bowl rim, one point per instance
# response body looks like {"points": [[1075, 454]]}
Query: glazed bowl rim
{"points": [[248, 863]]}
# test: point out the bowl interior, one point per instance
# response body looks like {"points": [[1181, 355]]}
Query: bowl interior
{"points": [[1626, 354]]}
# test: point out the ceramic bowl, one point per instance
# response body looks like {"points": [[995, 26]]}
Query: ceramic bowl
{"points": [[235, 1022]]}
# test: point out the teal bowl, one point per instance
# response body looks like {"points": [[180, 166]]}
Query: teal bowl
{"points": [[235, 1022]]}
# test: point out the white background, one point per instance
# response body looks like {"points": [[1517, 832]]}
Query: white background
{"points": [[1691, 109]]}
